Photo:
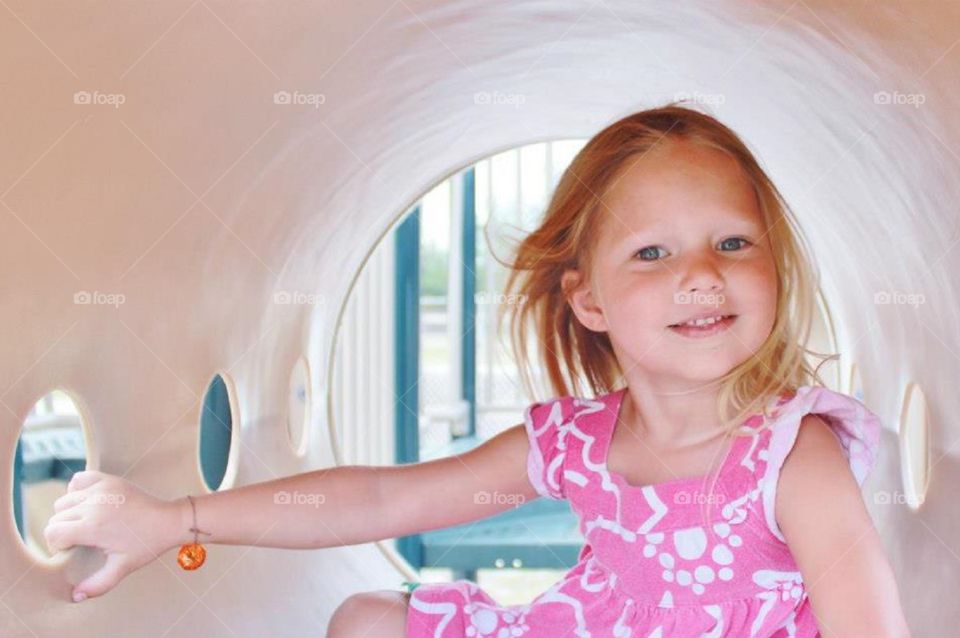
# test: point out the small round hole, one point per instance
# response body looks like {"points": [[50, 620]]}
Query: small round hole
{"points": [[51, 449], [217, 434], [298, 406]]}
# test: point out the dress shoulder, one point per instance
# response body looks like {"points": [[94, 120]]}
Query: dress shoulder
{"points": [[546, 423], [857, 428]]}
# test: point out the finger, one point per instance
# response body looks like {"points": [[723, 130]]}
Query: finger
{"points": [[61, 536], [103, 580], [68, 500], [84, 479], [65, 515]]}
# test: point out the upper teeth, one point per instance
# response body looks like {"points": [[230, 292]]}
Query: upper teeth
{"points": [[703, 322]]}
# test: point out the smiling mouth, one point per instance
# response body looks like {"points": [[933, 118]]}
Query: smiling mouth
{"points": [[703, 323], [706, 329]]}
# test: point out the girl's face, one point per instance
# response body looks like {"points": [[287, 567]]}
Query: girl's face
{"points": [[682, 234]]}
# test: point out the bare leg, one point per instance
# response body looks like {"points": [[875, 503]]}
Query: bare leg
{"points": [[372, 614]]}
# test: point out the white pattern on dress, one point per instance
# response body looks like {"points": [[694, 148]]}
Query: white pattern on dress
{"points": [[620, 628], [596, 586], [577, 607], [747, 460], [780, 585], [717, 613], [606, 483], [447, 610]]}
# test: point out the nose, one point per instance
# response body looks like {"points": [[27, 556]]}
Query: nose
{"points": [[702, 275]]}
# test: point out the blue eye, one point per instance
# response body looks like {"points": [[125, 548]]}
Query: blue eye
{"points": [[735, 239], [640, 252], [644, 250]]}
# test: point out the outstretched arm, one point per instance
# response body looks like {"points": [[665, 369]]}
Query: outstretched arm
{"points": [[354, 504], [343, 505]]}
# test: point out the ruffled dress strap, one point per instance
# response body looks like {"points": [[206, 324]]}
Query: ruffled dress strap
{"points": [[856, 427], [546, 424]]}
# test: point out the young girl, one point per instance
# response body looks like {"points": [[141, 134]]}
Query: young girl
{"points": [[716, 483]]}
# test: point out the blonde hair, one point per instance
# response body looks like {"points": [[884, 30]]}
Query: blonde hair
{"points": [[569, 352]]}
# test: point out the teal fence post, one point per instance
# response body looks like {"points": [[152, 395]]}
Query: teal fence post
{"points": [[469, 252], [407, 364]]}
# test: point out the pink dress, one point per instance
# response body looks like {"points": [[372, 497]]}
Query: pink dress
{"points": [[671, 560]]}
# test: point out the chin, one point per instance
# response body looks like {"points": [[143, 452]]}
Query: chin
{"points": [[704, 367]]}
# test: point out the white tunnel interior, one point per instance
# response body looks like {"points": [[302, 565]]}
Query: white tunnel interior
{"points": [[200, 197]]}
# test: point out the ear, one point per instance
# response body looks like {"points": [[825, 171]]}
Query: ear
{"points": [[576, 290]]}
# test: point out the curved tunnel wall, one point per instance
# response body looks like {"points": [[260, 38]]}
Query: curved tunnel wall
{"points": [[197, 158]]}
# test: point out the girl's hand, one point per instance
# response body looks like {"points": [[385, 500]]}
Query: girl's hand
{"points": [[108, 512]]}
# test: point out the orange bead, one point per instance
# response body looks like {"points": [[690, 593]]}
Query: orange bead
{"points": [[191, 556]]}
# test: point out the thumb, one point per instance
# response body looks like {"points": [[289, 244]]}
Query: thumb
{"points": [[103, 580]]}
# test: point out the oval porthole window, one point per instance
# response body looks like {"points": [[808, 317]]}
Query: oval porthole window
{"points": [[914, 447], [298, 406], [51, 449], [217, 449]]}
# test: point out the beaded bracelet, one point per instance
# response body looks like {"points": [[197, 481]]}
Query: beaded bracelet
{"points": [[192, 555]]}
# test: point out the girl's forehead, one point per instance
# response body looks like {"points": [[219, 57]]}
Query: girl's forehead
{"points": [[679, 187], [678, 172]]}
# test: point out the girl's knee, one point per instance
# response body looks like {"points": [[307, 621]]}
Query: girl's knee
{"points": [[374, 613]]}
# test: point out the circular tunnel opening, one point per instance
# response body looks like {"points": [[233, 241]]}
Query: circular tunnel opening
{"points": [[420, 370], [298, 406], [52, 447], [218, 433], [914, 447]]}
